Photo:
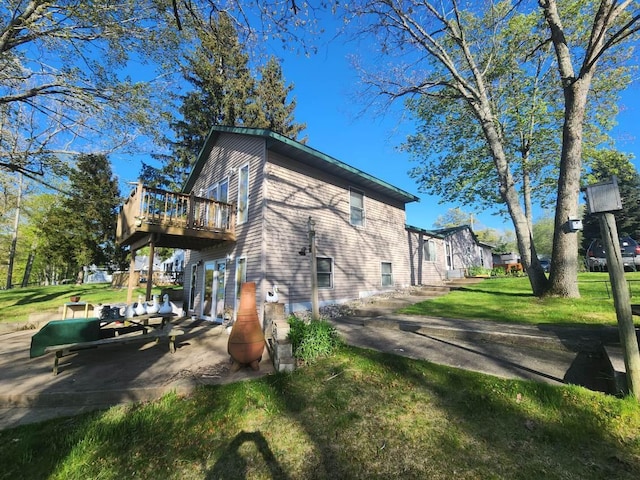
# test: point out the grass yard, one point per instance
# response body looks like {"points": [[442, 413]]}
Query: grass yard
{"points": [[18, 303], [357, 415], [509, 299]]}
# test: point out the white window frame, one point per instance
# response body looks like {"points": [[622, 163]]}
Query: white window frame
{"points": [[351, 207], [241, 277], [192, 287], [213, 193], [330, 273], [243, 215], [384, 275]]}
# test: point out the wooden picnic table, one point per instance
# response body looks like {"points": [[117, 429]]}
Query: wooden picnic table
{"points": [[64, 337]]}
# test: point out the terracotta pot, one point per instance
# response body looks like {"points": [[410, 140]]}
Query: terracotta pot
{"points": [[246, 340]]}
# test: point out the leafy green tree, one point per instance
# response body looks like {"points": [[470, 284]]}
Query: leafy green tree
{"points": [[56, 240], [454, 217], [468, 62], [543, 236]]}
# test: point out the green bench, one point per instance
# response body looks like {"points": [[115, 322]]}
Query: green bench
{"points": [[66, 336]]}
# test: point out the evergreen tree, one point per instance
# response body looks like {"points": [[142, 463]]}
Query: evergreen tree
{"points": [[271, 97], [222, 85], [224, 93], [80, 230], [604, 164]]}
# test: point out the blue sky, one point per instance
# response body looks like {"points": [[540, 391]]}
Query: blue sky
{"points": [[325, 84]]}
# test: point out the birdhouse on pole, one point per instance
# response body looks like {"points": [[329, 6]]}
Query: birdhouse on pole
{"points": [[604, 197]]}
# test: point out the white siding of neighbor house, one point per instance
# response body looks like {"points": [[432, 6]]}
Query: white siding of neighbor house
{"points": [[293, 193], [467, 252], [424, 271], [229, 154]]}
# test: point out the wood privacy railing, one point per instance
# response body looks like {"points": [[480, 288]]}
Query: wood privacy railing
{"points": [[153, 206]]}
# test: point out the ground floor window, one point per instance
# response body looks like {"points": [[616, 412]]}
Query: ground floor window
{"points": [[192, 286], [241, 277], [430, 251], [387, 274], [325, 272]]}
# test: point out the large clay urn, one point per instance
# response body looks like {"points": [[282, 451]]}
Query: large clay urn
{"points": [[246, 340]]}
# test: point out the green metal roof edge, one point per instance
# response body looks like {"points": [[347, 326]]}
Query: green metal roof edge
{"points": [[265, 133], [199, 163], [431, 233]]}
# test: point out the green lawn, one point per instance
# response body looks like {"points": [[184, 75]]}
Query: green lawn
{"points": [[18, 303], [357, 415], [509, 299]]}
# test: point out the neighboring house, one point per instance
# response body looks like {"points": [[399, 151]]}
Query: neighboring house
{"points": [[245, 214], [93, 274], [140, 271], [464, 250], [427, 256], [172, 269]]}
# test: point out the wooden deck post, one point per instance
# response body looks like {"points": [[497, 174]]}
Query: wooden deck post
{"points": [[152, 244], [132, 272]]}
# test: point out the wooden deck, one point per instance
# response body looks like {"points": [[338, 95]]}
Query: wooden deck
{"points": [[175, 220]]}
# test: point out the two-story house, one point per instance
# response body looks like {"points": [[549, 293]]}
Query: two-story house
{"points": [[249, 205], [282, 190]]}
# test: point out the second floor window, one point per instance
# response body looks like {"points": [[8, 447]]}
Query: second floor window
{"points": [[356, 203], [220, 191], [243, 194]]}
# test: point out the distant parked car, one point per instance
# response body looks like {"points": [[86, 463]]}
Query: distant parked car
{"points": [[597, 261], [545, 264]]}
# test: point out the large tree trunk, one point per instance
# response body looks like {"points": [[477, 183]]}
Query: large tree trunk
{"points": [[564, 261], [524, 236], [27, 269], [14, 237]]}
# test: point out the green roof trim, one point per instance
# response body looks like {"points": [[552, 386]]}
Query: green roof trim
{"points": [[429, 233], [274, 138]]}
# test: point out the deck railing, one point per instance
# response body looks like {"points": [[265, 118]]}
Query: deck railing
{"points": [[153, 206]]}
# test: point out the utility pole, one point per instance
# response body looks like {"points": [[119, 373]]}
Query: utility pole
{"points": [[604, 198], [315, 310], [622, 302]]}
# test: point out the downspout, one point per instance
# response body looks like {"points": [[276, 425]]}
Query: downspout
{"points": [[263, 244]]}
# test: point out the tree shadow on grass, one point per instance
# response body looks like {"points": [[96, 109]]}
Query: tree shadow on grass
{"points": [[495, 293]]}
